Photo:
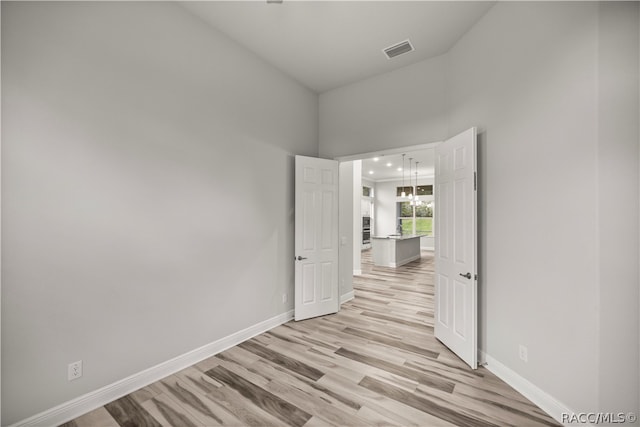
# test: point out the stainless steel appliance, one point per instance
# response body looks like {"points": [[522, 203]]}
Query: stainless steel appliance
{"points": [[366, 230]]}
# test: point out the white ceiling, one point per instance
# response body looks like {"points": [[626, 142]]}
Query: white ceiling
{"points": [[328, 44], [385, 168]]}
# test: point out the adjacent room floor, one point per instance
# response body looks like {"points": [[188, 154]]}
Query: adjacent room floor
{"points": [[376, 362]]}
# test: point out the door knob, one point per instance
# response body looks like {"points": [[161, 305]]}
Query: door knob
{"points": [[300, 258], [468, 275]]}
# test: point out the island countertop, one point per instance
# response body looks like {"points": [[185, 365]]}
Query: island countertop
{"points": [[399, 236], [395, 250]]}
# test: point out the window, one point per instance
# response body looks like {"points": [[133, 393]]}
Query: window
{"points": [[416, 219], [424, 219], [407, 190], [366, 191], [422, 190], [425, 190]]}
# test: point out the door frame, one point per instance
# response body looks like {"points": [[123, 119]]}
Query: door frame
{"points": [[389, 151], [400, 150], [380, 153]]}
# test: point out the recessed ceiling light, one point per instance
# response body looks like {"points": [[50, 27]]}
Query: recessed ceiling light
{"points": [[389, 164], [399, 169], [375, 159], [370, 172]]}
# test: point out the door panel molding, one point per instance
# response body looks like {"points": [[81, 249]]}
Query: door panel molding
{"points": [[316, 237], [456, 293]]}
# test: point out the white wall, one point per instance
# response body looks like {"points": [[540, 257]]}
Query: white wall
{"points": [[147, 192], [399, 109], [357, 216], [553, 130], [534, 98], [543, 103], [618, 202], [347, 230], [385, 208]]}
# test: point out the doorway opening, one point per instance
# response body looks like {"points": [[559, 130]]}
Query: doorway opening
{"points": [[377, 206], [370, 217]]}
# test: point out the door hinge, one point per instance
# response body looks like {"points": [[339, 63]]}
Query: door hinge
{"points": [[475, 277], [475, 181]]}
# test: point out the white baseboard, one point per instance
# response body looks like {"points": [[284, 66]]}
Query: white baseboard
{"points": [[95, 399], [357, 272], [347, 297], [542, 399]]}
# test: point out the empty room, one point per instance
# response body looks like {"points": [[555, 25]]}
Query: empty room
{"points": [[320, 213]]}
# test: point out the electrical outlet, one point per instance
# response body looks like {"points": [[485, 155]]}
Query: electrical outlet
{"points": [[284, 298], [74, 370], [523, 352]]}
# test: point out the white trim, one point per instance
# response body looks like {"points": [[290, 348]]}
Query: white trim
{"points": [[482, 359], [545, 401], [95, 399], [390, 151], [347, 297], [357, 272], [431, 176]]}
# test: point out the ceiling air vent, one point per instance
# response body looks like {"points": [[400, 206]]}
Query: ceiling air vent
{"points": [[398, 49]]}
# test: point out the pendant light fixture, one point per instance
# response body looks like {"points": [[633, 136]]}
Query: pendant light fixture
{"points": [[403, 194], [411, 186]]}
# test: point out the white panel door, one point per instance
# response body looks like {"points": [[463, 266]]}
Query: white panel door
{"points": [[455, 235], [316, 237]]}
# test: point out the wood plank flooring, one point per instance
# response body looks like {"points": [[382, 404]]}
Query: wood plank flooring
{"points": [[375, 363]]}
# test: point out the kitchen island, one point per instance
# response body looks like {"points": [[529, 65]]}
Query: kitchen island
{"points": [[395, 250]]}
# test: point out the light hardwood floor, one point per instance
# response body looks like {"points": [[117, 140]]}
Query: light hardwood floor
{"points": [[375, 363]]}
